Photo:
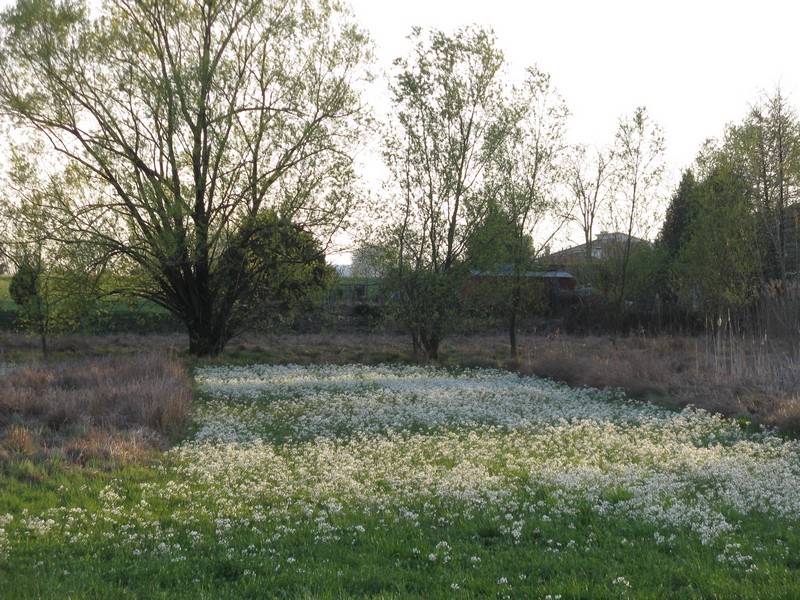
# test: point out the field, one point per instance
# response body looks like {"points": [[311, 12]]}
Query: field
{"points": [[324, 481]]}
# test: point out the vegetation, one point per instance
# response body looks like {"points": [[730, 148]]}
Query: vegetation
{"points": [[189, 164], [445, 97], [177, 163], [356, 481], [525, 171], [105, 409]]}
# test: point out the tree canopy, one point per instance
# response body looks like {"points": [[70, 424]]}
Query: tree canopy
{"points": [[188, 118]]}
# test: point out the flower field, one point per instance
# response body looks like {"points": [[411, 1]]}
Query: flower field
{"points": [[355, 481]]}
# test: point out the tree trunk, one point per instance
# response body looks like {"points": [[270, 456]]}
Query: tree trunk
{"points": [[415, 342], [432, 349], [430, 343], [205, 340]]}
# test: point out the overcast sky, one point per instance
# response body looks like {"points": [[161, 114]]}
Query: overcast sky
{"points": [[696, 65]]}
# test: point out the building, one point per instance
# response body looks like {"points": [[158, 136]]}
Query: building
{"points": [[606, 245]]}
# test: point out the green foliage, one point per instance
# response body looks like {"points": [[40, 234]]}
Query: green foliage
{"points": [[493, 244], [717, 268], [648, 273], [639, 155], [765, 150], [427, 303], [57, 271], [493, 296], [255, 104], [275, 269], [446, 95], [24, 288], [675, 230], [53, 299]]}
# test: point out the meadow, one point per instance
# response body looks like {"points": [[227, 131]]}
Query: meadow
{"points": [[338, 481]]}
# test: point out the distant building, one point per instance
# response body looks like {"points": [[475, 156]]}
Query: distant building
{"points": [[606, 245]]}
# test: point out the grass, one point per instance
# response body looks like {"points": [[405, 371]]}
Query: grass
{"points": [[336, 483]]}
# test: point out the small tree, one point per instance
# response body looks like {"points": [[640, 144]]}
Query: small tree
{"points": [[445, 101], [53, 298], [675, 229], [286, 266], [766, 148], [639, 169], [526, 169], [590, 178], [716, 269], [58, 275], [368, 261]]}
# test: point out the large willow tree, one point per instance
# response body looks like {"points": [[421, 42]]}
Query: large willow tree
{"points": [[190, 118]]}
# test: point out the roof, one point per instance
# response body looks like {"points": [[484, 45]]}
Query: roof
{"points": [[600, 239]]}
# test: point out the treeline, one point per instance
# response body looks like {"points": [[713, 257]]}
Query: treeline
{"points": [[728, 252], [211, 174]]}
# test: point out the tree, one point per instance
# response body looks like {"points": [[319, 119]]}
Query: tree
{"points": [[590, 180], [368, 261], [675, 229], [716, 269], [56, 280], [492, 244], [53, 298], [526, 168], [189, 118], [286, 267], [767, 146], [445, 98], [639, 157]]}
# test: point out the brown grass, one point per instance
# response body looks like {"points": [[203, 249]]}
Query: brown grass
{"points": [[112, 407]]}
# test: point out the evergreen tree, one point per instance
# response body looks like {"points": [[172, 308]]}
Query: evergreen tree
{"points": [[675, 231]]}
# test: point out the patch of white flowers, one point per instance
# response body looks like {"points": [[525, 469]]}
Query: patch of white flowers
{"points": [[280, 448], [4, 544], [313, 401], [397, 435]]}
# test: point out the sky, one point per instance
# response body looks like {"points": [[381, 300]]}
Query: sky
{"points": [[696, 65]]}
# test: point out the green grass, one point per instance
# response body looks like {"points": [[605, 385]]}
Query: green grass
{"points": [[167, 533], [391, 564]]}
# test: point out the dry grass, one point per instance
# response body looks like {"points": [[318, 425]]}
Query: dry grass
{"points": [[14, 346], [112, 407]]}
